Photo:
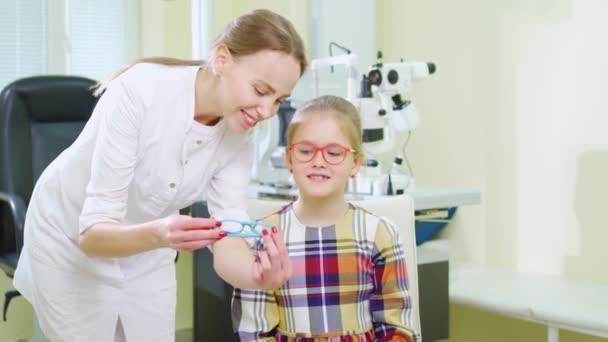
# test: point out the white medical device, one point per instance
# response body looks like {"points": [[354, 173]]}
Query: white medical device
{"points": [[385, 119], [385, 116], [270, 164]]}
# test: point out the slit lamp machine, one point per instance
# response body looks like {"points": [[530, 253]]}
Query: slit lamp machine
{"points": [[387, 120]]}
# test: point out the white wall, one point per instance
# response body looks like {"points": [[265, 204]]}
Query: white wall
{"points": [[515, 110], [560, 120]]}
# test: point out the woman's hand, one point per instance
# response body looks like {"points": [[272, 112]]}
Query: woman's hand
{"points": [[186, 233], [272, 268]]}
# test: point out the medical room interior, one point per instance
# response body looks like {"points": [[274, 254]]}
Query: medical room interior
{"points": [[499, 128]]}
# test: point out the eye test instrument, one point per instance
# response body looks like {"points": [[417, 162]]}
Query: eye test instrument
{"points": [[386, 117], [270, 163]]}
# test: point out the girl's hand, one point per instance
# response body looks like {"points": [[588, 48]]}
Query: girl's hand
{"points": [[272, 268], [186, 233]]}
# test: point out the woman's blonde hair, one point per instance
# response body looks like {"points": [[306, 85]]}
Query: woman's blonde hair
{"points": [[245, 35], [344, 112]]}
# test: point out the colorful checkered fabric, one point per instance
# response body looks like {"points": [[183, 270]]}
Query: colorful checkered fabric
{"points": [[349, 284]]}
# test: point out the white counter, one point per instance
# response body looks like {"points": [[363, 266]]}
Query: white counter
{"points": [[424, 198]]}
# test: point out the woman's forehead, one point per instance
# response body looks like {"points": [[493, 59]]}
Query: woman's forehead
{"points": [[279, 70]]}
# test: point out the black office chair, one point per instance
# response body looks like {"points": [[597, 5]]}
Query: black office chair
{"points": [[212, 295], [39, 117]]}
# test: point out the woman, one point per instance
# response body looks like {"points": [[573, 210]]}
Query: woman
{"points": [[102, 226]]}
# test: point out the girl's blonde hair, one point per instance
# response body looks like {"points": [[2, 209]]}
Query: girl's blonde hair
{"points": [[344, 112], [245, 35]]}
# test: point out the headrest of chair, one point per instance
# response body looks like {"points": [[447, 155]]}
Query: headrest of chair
{"points": [[53, 98]]}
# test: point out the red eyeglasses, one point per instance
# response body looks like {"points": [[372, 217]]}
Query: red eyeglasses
{"points": [[333, 154]]}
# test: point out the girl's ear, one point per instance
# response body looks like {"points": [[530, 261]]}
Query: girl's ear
{"points": [[288, 160], [356, 166], [221, 58]]}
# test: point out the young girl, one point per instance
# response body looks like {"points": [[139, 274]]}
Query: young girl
{"points": [[349, 278]]}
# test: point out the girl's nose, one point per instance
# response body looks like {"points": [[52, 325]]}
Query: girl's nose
{"points": [[318, 159]]}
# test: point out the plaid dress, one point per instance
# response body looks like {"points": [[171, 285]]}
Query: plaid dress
{"points": [[349, 283]]}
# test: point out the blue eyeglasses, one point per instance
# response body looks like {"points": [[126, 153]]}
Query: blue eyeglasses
{"points": [[245, 228]]}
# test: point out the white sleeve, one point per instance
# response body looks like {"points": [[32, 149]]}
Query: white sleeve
{"points": [[227, 192], [114, 155]]}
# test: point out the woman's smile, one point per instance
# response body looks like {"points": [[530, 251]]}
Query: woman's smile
{"points": [[249, 120]]}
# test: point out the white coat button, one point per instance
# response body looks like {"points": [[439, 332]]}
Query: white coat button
{"points": [[172, 185], [198, 142]]}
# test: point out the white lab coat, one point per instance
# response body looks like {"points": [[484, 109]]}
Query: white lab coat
{"points": [[140, 157]]}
